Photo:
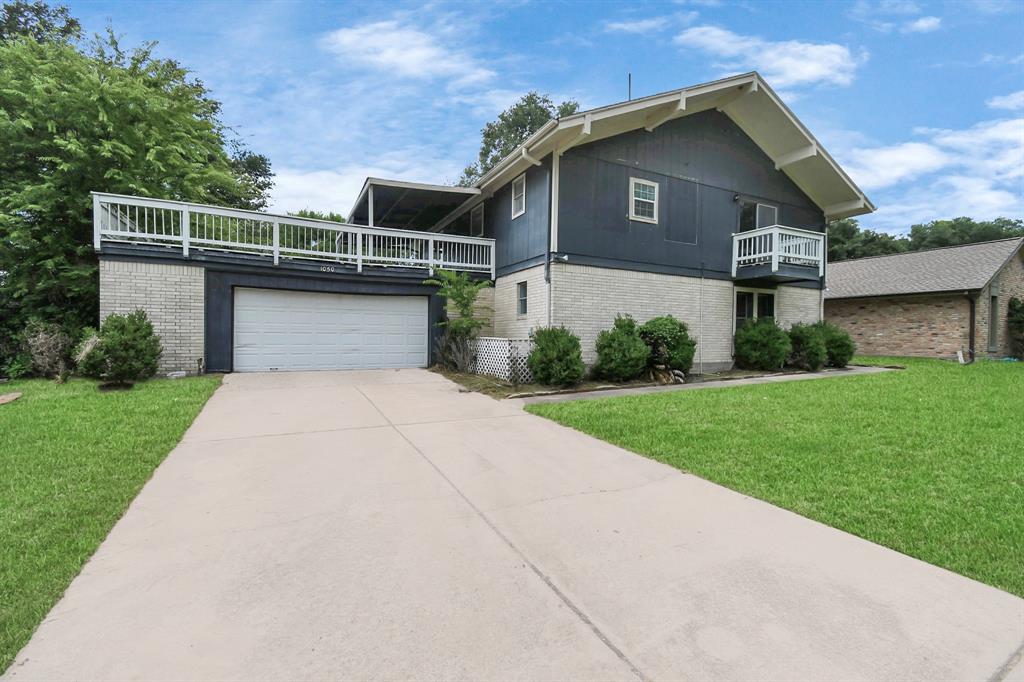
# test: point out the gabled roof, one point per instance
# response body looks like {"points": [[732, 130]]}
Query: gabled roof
{"points": [[746, 99], [953, 268]]}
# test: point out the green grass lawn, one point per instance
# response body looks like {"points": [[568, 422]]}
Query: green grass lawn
{"points": [[72, 460], [928, 461]]}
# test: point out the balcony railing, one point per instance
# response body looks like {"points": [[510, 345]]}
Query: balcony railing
{"points": [[778, 245], [137, 220]]}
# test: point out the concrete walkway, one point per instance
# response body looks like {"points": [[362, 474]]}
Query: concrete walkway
{"points": [[384, 525], [714, 383]]}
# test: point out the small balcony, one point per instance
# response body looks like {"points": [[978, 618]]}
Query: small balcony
{"points": [[188, 228], [779, 254]]}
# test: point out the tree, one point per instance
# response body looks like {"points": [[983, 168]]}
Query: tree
{"points": [[962, 231], [319, 215], [99, 119], [847, 240], [514, 125], [38, 21]]}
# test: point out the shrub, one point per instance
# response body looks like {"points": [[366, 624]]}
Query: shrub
{"points": [[460, 292], [125, 350], [838, 344], [808, 347], [1015, 321], [761, 344], [455, 350], [556, 359], [621, 353], [19, 366], [49, 348], [670, 342]]}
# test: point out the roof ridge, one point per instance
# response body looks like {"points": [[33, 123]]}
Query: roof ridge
{"points": [[917, 251]]}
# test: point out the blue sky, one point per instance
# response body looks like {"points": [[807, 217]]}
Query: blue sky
{"points": [[921, 102]]}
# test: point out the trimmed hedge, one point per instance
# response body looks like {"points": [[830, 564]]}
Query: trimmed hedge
{"points": [[807, 347], [556, 358], [621, 353], [670, 342], [761, 344]]}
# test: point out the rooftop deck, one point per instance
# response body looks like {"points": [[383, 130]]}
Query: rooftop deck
{"points": [[188, 227]]}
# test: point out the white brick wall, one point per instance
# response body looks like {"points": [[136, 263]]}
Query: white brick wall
{"points": [[507, 323], [796, 304], [586, 299], [171, 295]]}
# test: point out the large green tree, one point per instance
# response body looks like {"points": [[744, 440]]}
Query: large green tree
{"points": [[499, 138], [847, 239], [37, 20], [99, 118]]}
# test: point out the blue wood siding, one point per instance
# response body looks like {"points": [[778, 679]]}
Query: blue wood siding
{"points": [[521, 242], [700, 162]]}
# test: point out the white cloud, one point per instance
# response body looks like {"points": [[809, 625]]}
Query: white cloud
{"points": [[784, 64], [1013, 101], [636, 26], [877, 167], [407, 51], [975, 171], [922, 25]]}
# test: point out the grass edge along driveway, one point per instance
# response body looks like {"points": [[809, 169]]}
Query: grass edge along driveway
{"points": [[927, 461], [73, 459]]}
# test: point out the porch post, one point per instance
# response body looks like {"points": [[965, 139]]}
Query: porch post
{"points": [[186, 227]]}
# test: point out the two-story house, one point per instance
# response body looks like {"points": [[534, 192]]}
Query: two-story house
{"points": [[709, 203]]}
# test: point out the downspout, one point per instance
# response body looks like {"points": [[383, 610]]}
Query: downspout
{"points": [[972, 300]]}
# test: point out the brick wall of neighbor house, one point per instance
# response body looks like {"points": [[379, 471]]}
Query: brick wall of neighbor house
{"points": [[1005, 285], [797, 304], [507, 322], [586, 299], [935, 326], [171, 295]]}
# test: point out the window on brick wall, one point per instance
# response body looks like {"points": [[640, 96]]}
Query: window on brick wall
{"points": [[521, 298]]}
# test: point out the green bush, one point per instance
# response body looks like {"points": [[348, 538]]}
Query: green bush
{"points": [[761, 344], [18, 367], [556, 358], [1015, 321], [125, 350], [808, 347], [621, 353], [669, 341], [838, 344]]}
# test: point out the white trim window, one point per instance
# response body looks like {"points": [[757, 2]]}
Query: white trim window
{"points": [[476, 221], [767, 215], [521, 299], [519, 196], [755, 215], [643, 200], [750, 304]]}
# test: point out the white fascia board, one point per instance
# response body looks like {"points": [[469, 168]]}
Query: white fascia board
{"points": [[582, 135], [527, 157], [845, 208], [516, 154], [679, 109]]}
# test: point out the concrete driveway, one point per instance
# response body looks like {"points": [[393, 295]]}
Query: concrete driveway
{"points": [[385, 525]]}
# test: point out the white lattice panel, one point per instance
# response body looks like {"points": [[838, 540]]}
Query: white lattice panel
{"points": [[503, 358]]}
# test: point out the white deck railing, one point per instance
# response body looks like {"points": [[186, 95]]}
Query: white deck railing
{"points": [[777, 245], [138, 220]]}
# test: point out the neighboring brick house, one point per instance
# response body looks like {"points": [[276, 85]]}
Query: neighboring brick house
{"points": [[708, 203], [929, 303]]}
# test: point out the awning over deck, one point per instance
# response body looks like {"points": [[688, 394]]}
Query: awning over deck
{"points": [[406, 205]]}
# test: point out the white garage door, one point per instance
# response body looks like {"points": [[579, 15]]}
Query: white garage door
{"points": [[294, 330]]}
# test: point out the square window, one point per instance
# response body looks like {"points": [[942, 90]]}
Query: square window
{"points": [[519, 196], [754, 215], [767, 215], [643, 198], [521, 298], [766, 305], [476, 221]]}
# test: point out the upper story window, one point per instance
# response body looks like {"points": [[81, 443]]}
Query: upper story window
{"points": [[476, 221], [643, 200], [519, 196], [754, 215]]}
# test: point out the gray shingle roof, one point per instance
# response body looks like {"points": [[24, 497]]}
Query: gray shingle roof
{"points": [[953, 268]]}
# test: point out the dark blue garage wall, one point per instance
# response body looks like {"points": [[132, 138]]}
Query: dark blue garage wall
{"points": [[700, 163]]}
